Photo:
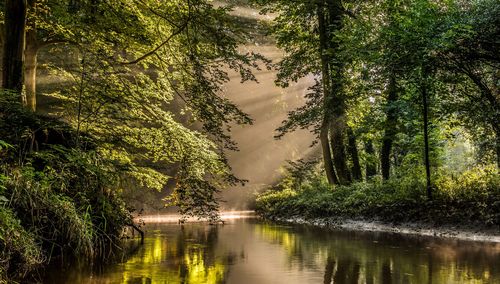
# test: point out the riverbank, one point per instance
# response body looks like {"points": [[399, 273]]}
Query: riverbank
{"points": [[59, 201], [464, 232], [465, 206]]}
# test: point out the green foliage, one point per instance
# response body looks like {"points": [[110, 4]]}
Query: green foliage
{"points": [[51, 215], [296, 173], [471, 198], [140, 102], [148, 88], [19, 250], [139, 94], [400, 48], [65, 199]]}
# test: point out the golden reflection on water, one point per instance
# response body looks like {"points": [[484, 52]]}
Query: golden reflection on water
{"points": [[248, 251], [180, 260]]}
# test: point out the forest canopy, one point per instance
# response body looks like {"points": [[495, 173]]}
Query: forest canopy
{"points": [[391, 73]]}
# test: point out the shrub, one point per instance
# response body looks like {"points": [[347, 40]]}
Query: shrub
{"points": [[472, 197]]}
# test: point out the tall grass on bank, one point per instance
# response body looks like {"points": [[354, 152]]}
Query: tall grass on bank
{"points": [[472, 197], [58, 194], [57, 210], [19, 250]]}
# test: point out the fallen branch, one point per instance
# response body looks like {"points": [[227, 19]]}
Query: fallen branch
{"points": [[141, 232]]}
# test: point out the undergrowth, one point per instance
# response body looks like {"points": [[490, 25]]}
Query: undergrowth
{"points": [[58, 194], [472, 197]]}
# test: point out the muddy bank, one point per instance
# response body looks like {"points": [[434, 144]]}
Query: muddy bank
{"points": [[462, 232]]}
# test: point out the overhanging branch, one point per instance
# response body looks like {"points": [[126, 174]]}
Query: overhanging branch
{"points": [[178, 31]]}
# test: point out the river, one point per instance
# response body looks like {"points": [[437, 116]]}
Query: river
{"points": [[246, 250]]}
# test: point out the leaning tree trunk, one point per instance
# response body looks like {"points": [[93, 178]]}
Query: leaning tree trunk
{"points": [[390, 128], [327, 156], [13, 59], [337, 104], [339, 153], [325, 79], [353, 152]]}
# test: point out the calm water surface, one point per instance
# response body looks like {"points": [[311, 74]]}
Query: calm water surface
{"points": [[251, 251]]}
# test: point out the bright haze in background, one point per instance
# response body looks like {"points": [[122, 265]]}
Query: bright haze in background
{"points": [[261, 157]]}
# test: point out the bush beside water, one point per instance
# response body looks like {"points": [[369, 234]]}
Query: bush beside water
{"points": [[56, 196], [469, 198]]}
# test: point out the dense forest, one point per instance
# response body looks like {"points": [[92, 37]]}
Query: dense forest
{"points": [[405, 108], [408, 119]]}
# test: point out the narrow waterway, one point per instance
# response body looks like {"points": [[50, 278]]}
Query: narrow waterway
{"points": [[248, 250]]}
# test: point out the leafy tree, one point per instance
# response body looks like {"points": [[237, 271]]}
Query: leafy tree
{"points": [[128, 73], [309, 32], [469, 49]]}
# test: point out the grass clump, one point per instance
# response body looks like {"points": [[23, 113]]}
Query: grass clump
{"points": [[19, 250]]}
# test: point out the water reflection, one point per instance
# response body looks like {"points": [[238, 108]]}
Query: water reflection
{"points": [[356, 257], [188, 257], [249, 251]]}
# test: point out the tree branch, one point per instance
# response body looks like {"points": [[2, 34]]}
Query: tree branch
{"points": [[158, 14], [180, 30]]}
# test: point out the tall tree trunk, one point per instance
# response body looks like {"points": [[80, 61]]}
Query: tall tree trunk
{"points": [[337, 104], [371, 168], [353, 152], [30, 60], [325, 79], [13, 59], [30, 76], [389, 127], [425, 112]]}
